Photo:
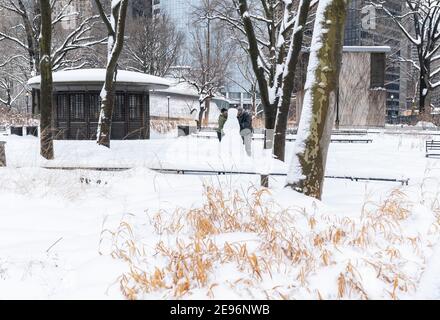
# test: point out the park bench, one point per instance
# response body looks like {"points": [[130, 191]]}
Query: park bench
{"points": [[18, 131], [403, 181], [349, 132], [352, 140], [288, 139], [432, 145]]}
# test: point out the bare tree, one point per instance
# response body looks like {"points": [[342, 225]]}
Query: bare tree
{"points": [[272, 33], [26, 34], [12, 79], [116, 30], [249, 85], [420, 24], [152, 45], [306, 173], [209, 58], [46, 138]]}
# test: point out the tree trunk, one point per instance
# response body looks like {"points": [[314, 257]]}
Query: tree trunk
{"points": [[108, 91], [306, 173], [289, 80], [423, 94], [200, 117], [269, 109], [269, 133], [46, 136], [207, 106], [31, 36]]}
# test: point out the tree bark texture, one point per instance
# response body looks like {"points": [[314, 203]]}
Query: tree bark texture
{"points": [[306, 173], [46, 136], [108, 91], [289, 80]]}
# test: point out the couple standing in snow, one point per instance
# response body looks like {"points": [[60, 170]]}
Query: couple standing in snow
{"points": [[236, 120]]}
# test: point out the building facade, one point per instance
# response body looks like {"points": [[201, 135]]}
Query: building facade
{"points": [[76, 103], [367, 26], [181, 102], [362, 96]]}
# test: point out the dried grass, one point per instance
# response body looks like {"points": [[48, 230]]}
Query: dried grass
{"points": [[290, 242]]}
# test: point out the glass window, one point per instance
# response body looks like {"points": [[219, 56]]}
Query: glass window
{"points": [[62, 107], [135, 106], [77, 107], [118, 110], [377, 70], [95, 107]]}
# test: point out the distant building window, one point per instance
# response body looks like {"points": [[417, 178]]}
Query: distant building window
{"points": [[135, 106], [77, 107], [377, 70], [118, 112]]}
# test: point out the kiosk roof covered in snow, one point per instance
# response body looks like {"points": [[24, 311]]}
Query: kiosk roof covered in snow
{"points": [[86, 77], [76, 103]]}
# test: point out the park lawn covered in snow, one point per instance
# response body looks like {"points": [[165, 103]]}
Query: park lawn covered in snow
{"points": [[89, 234]]}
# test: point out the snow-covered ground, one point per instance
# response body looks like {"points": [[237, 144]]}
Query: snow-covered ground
{"points": [[67, 234]]}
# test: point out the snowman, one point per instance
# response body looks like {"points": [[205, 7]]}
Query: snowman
{"points": [[231, 146]]}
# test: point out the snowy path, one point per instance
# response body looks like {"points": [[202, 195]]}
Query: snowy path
{"points": [[364, 160]]}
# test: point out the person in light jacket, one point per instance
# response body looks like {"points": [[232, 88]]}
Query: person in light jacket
{"points": [[246, 130]]}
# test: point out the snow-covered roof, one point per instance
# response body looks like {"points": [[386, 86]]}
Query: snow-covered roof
{"points": [[181, 88], [97, 76], [383, 49], [186, 89]]}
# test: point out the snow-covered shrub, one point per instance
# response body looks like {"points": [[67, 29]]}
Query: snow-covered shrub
{"points": [[14, 118], [244, 245]]}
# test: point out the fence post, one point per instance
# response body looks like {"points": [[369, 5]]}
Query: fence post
{"points": [[2, 154]]}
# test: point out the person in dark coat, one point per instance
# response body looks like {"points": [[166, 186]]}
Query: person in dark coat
{"points": [[221, 122], [245, 121]]}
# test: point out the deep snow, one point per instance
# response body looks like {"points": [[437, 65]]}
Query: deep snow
{"points": [[38, 207]]}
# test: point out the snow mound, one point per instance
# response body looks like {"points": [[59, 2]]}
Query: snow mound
{"points": [[425, 124], [246, 246]]}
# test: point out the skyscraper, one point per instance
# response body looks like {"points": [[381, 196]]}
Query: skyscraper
{"points": [[367, 26]]}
